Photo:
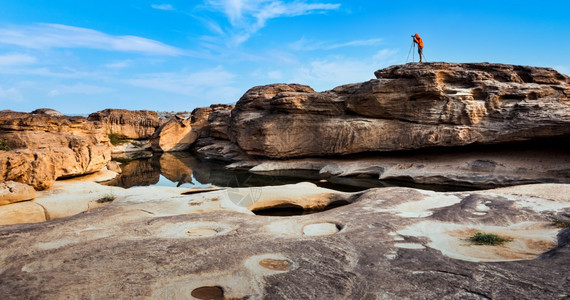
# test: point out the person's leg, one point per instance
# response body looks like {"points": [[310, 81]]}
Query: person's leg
{"points": [[420, 52]]}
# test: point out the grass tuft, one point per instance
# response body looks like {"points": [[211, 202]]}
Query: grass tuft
{"points": [[107, 198], [481, 238], [4, 145], [118, 139]]}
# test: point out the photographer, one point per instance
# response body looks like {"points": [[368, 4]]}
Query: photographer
{"points": [[418, 40]]}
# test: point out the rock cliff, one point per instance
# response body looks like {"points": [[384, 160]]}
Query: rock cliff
{"points": [[45, 147], [410, 106], [139, 124]]}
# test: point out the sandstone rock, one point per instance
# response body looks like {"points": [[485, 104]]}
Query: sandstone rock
{"points": [[139, 124], [21, 212], [410, 106], [483, 167], [114, 166], [47, 111], [175, 135], [11, 192], [45, 148], [395, 243], [219, 149], [132, 146]]}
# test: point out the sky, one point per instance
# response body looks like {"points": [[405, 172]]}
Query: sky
{"points": [[84, 56]]}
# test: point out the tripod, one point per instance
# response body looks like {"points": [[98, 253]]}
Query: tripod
{"points": [[413, 45]]}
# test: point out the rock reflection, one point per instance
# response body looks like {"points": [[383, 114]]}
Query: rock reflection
{"points": [[185, 169]]}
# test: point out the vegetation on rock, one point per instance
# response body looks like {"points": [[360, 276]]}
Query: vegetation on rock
{"points": [[118, 139], [4, 145], [481, 238], [107, 198]]}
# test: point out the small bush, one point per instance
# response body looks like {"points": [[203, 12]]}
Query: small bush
{"points": [[107, 198], [118, 139], [4, 145], [561, 223], [481, 238]]}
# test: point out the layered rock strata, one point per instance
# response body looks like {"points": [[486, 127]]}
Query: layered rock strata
{"points": [[410, 106], [139, 124], [45, 147]]}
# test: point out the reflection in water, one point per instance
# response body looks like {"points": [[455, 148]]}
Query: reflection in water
{"points": [[183, 169]]}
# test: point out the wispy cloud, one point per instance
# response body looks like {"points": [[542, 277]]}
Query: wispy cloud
{"points": [[45, 36], [207, 84], [307, 45], [16, 59], [249, 16], [10, 94], [163, 6], [79, 88], [333, 71], [119, 64]]}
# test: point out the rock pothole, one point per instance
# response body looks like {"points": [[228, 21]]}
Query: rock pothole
{"points": [[324, 228], [202, 231], [208, 293], [288, 209], [275, 264]]}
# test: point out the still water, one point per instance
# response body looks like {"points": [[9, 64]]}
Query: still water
{"points": [[184, 169]]}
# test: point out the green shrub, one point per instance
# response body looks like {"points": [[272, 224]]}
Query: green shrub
{"points": [[481, 238], [107, 198], [118, 139], [4, 145]]}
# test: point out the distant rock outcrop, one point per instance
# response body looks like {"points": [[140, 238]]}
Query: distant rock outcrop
{"points": [[139, 124], [45, 147], [410, 106]]}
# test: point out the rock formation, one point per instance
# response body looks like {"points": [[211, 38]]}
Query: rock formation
{"points": [[410, 106], [139, 124], [44, 148], [393, 243], [174, 135], [11, 192]]}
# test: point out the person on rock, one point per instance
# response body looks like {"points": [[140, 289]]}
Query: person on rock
{"points": [[418, 40]]}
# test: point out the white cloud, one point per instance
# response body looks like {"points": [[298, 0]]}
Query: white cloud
{"points": [[305, 45], [324, 74], [214, 84], [119, 64], [249, 16], [11, 94], [79, 88], [275, 74], [16, 59], [162, 6], [45, 36]]}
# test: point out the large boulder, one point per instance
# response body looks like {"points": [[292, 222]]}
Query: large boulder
{"points": [[409, 106], [174, 135], [11, 192], [45, 147], [138, 124]]}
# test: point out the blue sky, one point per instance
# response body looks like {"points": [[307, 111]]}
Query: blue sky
{"points": [[83, 56]]}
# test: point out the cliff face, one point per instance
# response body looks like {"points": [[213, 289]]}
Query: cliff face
{"points": [[139, 124], [408, 106], [45, 147]]}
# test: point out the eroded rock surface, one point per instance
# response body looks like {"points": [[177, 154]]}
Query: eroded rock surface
{"points": [[12, 191], [388, 243], [134, 124], [45, 147], [409, 106]]}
